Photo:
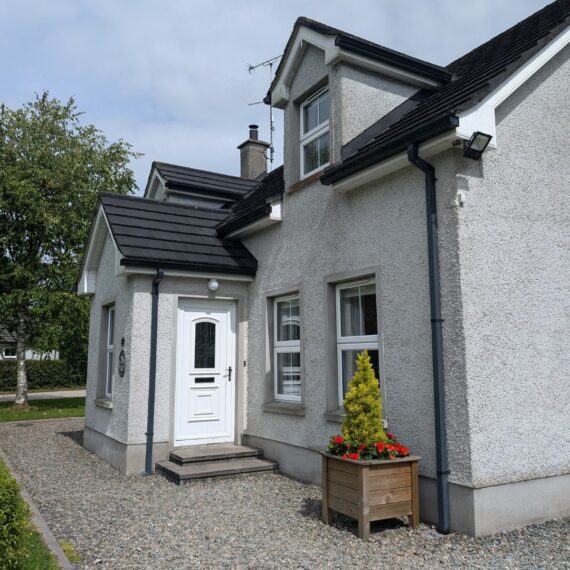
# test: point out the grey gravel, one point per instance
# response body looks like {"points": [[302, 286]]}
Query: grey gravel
{"points": [[250, 521]]}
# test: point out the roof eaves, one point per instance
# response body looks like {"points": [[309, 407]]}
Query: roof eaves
{"points": [[198, 267], [376, 153]]}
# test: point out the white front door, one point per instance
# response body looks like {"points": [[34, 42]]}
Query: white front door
{"points": [[205, 373]]}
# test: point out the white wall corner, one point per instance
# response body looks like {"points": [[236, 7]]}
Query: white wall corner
{"points": [[276, 211], [87, 283], [482, 117]]}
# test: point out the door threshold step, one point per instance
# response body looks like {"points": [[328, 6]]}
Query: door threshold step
{"points": [[212, 452], [181, 474]]}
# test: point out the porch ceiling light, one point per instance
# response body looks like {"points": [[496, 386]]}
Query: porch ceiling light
{"points": [[213, 284], [476, 145]]}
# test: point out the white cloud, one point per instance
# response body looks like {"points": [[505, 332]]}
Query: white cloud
{"points": [[171, 77]]}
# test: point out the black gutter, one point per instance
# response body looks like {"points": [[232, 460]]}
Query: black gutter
{"points": [[148, 467], [249, 271], [442, 463], [375, 153]]}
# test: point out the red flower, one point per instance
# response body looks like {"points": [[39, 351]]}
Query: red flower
{"points": [[338, 440], [380, 447], [354, 456], [391, 436], [404, 451], [345, 456], [362, 447]]}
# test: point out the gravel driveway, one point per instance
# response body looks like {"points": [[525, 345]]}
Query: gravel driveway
{"points": [[258, 521]]}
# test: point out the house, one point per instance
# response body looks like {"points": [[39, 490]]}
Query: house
{"points": [[421, 213], [8, 348]]}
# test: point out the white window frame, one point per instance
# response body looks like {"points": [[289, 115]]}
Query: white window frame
{"points": [[313, 134], [285, 346], [110, 351], [8, 356], [359, 343]]}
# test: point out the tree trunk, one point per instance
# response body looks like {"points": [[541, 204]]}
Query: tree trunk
{"points": [[22, 377]]}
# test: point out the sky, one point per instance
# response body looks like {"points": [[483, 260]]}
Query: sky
{"points": [[171, 76]]}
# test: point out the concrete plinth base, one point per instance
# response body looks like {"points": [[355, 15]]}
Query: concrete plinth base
{"points": [[128, 459]]}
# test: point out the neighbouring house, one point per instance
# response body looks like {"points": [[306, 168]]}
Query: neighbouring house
{"points": [[8, 348], [421, 213]]}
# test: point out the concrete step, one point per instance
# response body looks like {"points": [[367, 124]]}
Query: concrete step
{"points": [[181, 474], [212, 452]]}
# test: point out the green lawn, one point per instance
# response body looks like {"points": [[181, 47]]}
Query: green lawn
{"points": [[43, 410], [37, 554]]}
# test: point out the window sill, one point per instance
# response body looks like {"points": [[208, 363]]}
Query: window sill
{"points": [[106, 403], [336, 416], [305, 182], [292, 408]]}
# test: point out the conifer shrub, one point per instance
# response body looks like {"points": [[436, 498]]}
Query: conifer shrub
{"points": [[363, 435], [363, 405]]}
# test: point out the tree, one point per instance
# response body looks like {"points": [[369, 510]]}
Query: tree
{"points": [[363, 405], [51, 169]]}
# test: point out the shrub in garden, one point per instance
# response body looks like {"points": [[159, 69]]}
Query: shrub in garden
{"points": [[14, 521], [363, 405], [42, 374], [363, 436]]}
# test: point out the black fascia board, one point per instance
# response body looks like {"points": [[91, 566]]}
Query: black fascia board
{"points": [[221, 193], [394, 58], [201, 267], [243, 220], [387, 149]]}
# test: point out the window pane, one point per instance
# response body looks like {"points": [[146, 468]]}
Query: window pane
{"points": [[349, 366], [111, 331], [289, 374], [358, 311], [316, 153], [324, 149], [311, 156], [323, 107], [109, 372], [205, 345], [310, 115], [288, 320]]}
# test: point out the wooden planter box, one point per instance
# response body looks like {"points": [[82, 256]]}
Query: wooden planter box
{"points": [[370, 490]]}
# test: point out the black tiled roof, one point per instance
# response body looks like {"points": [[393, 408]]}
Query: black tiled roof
{"points": [[476, 74], [222, 185], [360, 46], [150, 233], [6, 336], [254, 205]]}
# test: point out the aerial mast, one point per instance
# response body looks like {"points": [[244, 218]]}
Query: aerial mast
{"points": [[251, 68]]}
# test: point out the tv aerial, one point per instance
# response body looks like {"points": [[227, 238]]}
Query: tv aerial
{"points": [[269, 63]]}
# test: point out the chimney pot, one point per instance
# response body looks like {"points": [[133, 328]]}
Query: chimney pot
{"points": [[253, 132]]}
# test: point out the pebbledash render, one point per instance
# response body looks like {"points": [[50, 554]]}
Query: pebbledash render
{"points": [[269, 284]]}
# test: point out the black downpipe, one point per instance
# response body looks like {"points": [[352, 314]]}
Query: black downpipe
{"points": [[442, 463], [152, 372]]}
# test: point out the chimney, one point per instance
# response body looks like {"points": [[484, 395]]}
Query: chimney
{"points": [[252, 155]]}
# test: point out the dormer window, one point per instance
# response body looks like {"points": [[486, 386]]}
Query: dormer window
{"points": [[315, 133]]}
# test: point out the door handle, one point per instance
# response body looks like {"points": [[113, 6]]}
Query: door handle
{"points": [[229, 373]]}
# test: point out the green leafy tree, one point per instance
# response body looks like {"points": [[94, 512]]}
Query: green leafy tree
{"points": [[363, 405], [51, 169]]}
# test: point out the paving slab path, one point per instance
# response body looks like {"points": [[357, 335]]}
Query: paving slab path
{"points": [[252, 521], [53, 395]]}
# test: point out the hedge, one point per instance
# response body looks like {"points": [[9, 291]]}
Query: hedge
{"points": [[42, 374], [14, 522]]}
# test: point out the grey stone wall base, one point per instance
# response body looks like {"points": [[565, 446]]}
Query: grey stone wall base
{"points": [[479, 512], [298, 462], [476, 512], [39, 521], [128, 459]]}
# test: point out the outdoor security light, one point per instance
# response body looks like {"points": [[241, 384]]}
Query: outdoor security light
{"points": [[476, 145], [213, 284]]}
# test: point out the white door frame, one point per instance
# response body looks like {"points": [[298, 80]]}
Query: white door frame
{"points": [[182, 353]]}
